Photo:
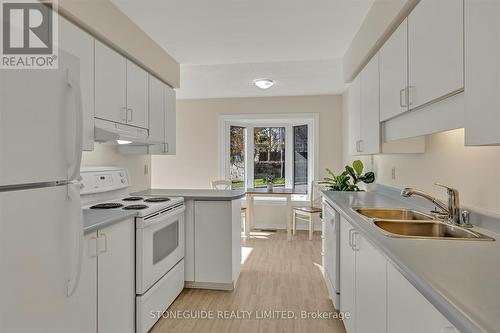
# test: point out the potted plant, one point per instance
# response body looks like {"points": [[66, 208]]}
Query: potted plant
{"points": [[348, 180], [269, 181]]}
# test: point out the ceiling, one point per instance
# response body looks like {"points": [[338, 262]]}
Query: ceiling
{"points": [[223, 45]]}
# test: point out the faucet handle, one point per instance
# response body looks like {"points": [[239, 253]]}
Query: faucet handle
{"points": [[466, 219], [450, 189]]}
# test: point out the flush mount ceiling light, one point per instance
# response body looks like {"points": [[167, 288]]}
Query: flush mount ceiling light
{"points": [[123, 142], [263, 83]]}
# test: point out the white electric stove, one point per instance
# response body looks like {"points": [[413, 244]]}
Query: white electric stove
{"points": [[159, 238], [107, 188]]}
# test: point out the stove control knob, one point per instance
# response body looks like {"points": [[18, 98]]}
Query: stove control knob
{"points": [[122, 174], [123, 181]]}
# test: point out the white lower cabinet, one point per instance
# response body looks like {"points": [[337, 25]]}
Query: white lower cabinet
{"points": [[408, 311], [347, 276], [377, 296], [362, 282], [108, 273], [213, 244]]}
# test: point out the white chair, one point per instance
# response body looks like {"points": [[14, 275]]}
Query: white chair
{"points": [[307, 213], [221, 184], [227, 185]]}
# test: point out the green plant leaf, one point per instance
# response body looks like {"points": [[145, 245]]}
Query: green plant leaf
{"points": [[358, 166]]}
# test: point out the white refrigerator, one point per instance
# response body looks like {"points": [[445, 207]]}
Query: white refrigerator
{"points": [[41, 225]]}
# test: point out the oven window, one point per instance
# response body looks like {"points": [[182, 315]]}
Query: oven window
{"points": [[165, 241]]}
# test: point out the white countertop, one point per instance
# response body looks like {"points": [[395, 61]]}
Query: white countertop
{"points": [[460, 278], [195, 194]]}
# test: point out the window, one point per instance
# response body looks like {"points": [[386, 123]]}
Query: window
{"points": [[237, 157], [300, 162], [269, 155], [281, 146]]}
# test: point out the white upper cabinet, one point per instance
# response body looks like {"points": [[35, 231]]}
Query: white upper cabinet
{"points": [[170, 121], [364, 124], [121, 88], [137, 96], [393, 58], [110, 84], [156, 110], [354, 116], [435, 51], [80, 44], [482, 65], [370, 117]]}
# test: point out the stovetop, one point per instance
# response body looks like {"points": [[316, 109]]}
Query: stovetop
{"points": [[143, 205]]}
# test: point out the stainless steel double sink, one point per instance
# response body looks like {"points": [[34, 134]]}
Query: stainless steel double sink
{"points": [[407, 223]]}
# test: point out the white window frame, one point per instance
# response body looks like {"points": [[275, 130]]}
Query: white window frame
{"points": [[250, 121]]}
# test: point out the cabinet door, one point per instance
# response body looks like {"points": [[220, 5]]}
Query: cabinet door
{"points": [[482, 65], [156, 110], [347, 276], [80, 44], [354, 115], [116, 278], [369, 117], [328, 219], [170, 121], [408, 311], [110, 84], [435, 50], [213, 242], [394, 73], [137, 96], [371, 278]]}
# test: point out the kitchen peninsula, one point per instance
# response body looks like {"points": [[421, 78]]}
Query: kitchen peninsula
{"points": [[213, 235]]}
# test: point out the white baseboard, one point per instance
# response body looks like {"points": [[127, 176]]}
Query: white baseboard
{"points": [[280, 226]]}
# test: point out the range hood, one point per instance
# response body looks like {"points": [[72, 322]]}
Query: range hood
{"points": [[109, 132]]}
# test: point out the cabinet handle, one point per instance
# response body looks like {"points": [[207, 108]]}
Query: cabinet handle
{"points": [[131, 113], [93, 247], [350, 237], [355, 246], [125, 114], [401, 98], [357, 146], [360, 146], [104, 243], [409, 98]]}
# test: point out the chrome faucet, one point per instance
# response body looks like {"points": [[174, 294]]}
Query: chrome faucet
{"points": [[452, 211]]}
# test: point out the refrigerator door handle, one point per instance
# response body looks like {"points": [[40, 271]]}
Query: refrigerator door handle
{"points": [[74, 168], [77, 218]]}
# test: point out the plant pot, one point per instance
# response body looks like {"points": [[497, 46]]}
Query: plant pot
{"points": [[269, 187]]}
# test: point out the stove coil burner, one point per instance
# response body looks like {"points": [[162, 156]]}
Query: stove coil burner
{"points": [[156, 200], [107, 205], [132, 199], [135, 207]]}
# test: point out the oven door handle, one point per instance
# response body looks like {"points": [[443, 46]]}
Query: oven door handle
{"points": [[163, 216]]}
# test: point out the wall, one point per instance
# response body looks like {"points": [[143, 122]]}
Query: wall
{"points": [[382, 19], [108, 23], [472, 170], [197, 159], [107, 155]]}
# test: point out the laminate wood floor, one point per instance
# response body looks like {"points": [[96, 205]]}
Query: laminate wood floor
{"points": [[277, 275]]}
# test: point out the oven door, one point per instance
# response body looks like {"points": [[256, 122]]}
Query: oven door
{"points": [[159, 246]]}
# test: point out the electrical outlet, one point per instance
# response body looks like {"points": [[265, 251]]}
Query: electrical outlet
{"points": [[393, 173]]}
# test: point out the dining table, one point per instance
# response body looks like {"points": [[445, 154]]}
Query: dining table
{"points": [[287, 193]]}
